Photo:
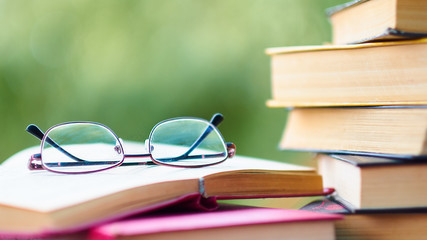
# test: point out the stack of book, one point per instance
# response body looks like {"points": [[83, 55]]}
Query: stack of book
{"points": [[360, 103]]}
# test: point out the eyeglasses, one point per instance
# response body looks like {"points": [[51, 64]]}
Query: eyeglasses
{"points": [[85, 147]]}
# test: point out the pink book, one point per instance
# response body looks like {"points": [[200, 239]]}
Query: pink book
{"points": [[246, 223]]}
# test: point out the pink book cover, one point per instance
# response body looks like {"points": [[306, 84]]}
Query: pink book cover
{"points": [[204, 220]]}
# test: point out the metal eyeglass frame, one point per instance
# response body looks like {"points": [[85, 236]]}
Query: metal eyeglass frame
{"points": [[35, 161]]}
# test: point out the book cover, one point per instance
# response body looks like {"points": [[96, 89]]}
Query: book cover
{"points": [[245, 223]]}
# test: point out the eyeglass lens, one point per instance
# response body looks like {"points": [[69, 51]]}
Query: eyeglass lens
{"points": [[186, 143], [81, 147]]}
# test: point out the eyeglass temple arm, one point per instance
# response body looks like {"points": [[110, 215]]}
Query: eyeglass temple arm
{"points": [[35, 131]]}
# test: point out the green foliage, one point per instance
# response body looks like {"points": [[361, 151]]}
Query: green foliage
{"points": [[130, 64]]}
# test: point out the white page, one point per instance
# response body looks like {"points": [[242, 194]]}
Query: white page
{"points": [[42, 190]]}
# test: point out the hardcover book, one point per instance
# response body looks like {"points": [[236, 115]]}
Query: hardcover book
{"points": [[397, 132], [382, 73], [375, 183], [378, 20]]}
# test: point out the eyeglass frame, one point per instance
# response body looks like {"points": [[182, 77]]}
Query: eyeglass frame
{"points": [[36, 162]]}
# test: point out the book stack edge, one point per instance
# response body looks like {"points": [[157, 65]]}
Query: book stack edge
{"points": [[360, 105]]}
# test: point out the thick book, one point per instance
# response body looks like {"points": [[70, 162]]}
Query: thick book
{"points": [[244, 223], [378, 20], [380, 224], [41, 203], [396, 132], [375, 183], [382, 73]]}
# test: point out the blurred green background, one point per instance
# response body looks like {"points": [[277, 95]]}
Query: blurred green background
{"points": [[131, 64]]}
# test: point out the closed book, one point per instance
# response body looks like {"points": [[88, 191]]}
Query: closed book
{"points": [[397, 132], [378, 20], [382, 73], [42, 203], [250, 223], [375, 183], [380, 224]]}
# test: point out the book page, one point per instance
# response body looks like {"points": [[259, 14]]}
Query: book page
{"points": [[43, 190]]}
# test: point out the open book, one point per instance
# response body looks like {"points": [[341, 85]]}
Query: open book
{"points": [[37, 203]]}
